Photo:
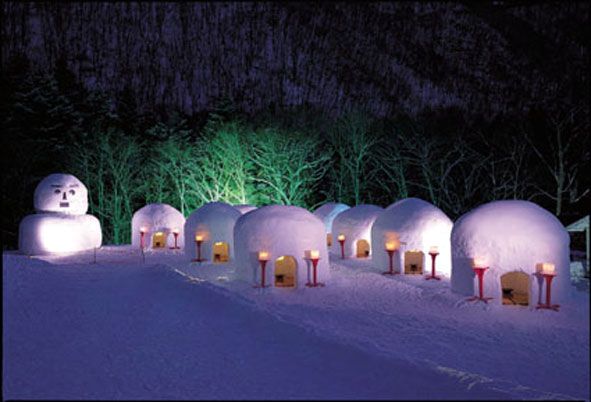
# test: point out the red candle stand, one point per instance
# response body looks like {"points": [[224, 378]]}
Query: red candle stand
{"points": [[433, 276], [142, 236], [315, 283], [342, 248], [262, 285], [390, 270], [198, 259], [176, 236], [480, 273], [548, 305]]}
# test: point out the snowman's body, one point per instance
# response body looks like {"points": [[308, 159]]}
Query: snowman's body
{"points": [[61, 224]]}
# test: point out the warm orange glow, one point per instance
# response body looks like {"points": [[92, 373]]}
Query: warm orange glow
{"points": [[263, 256], [341, 237], [199, 237], [314, 254], [479, 262], [392, 245], [546, 268]]}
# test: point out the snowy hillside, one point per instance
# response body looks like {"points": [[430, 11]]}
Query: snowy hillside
{"points": [[169, 329]]}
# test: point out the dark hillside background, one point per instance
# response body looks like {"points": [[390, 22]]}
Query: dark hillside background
{"points": [[456, 103]]}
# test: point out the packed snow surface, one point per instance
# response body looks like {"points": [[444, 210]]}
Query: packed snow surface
{"points": [[510, 236], [284, 232], [215, 222], [154, 219], [328, 212], [355, 224], [163, 328], [418, 225]]}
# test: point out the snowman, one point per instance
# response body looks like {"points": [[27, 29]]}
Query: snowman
{"points": [[61, 224]]}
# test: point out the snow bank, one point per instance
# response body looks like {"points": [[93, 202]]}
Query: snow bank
{"points": [[157, 218], [281, 231], [420, 225], [328, 212], [244, 208], [215, 222], [510, 236], [355, 223]]}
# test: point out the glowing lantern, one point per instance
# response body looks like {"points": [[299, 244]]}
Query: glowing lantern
{"points": [[341, 239]]}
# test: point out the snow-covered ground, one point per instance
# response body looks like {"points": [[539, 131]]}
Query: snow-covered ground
{"points": [[166, 328]]}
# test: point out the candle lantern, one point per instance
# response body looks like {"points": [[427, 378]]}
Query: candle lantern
{"points": [[314, 256], [479, 265], [263, 257], [548, 272], [391, 247], [175, 233], [433, 252], [341, 239], [198, 242], [143, 231]]}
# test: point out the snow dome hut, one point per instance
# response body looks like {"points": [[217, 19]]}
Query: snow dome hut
{"points": [[355, 224], [244, 208], [286, 234], [417, 226], [214, 222], [158, 222], [327, 213], [512, 238], [61, 224]]}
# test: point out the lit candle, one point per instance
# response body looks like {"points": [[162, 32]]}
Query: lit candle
{"points": [[263, 256], [341, 237], [143, 230], [546, 268], [433, 250], [479, 262], [314, 254], [390, 245], [198, 237], [175, 231]]}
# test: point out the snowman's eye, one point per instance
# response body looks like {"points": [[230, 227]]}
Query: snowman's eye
{"points": [[56, 191], [72, 192]]}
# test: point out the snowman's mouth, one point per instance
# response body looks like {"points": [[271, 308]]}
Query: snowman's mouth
{"points": [[64, 204]]}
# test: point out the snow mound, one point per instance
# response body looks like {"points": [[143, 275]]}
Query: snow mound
{"points": [[510, 236], [284, 232], [420, 225], [215, 222], [155, 219], [355, 223], [244, 208], [328, 212]]}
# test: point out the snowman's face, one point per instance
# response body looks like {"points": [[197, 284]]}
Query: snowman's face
{"points": [[62, 193]]}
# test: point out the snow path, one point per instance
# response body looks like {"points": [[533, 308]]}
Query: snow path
{"points": [[88, 331]]}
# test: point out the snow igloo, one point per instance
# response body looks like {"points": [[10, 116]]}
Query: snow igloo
{"points": [[512, 238], [244, 208], [326, 213], [158, 222], [355, 224], [286, 234], [214, 222], [417, 226], [60, 224]]}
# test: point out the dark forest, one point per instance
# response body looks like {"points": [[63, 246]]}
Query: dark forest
{"points": [[295, 103]]}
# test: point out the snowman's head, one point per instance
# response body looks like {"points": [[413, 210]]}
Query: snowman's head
{"points": [[62, 193]]}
